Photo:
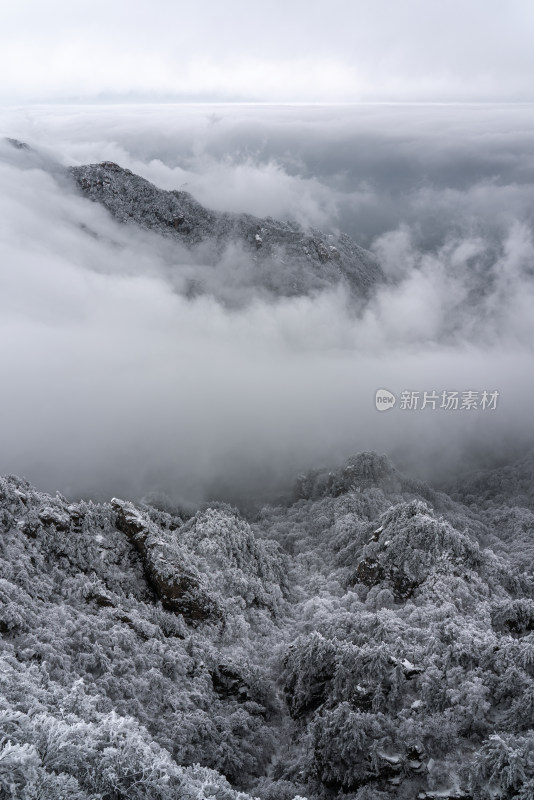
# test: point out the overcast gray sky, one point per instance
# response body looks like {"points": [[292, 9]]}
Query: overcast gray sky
{"points": [[286, 50]]}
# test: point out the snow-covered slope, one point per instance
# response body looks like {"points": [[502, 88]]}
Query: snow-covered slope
{"points": [[360, 641]]}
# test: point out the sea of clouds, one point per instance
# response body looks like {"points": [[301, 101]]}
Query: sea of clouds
{"points": [[114, 382]]}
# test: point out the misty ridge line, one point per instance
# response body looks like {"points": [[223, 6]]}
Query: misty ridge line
{"points": [[298, 262], [266, 258], [283, 258]]}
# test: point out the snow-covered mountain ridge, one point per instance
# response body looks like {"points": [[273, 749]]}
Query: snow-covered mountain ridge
{"points": [[316, 259], [273, 257]]}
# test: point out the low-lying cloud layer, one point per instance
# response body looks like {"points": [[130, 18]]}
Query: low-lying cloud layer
{"points": [[114, 382]]}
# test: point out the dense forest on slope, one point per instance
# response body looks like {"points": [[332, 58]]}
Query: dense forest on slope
{"points": [[370, 638]]}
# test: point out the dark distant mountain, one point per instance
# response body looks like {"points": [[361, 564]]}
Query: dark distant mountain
{"points": [[250, 254], [300, 260]]}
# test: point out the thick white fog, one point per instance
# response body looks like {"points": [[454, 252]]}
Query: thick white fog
{"points": [[115, 383]]}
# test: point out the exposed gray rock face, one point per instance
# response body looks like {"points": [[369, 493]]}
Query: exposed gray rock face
{"points": [[299, 261], [174, 581]]}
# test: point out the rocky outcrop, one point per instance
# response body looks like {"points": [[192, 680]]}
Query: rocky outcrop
{"points": [[174, 580]]}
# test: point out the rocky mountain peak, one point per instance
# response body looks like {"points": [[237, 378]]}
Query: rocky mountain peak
{"points": [[315, 259]]}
